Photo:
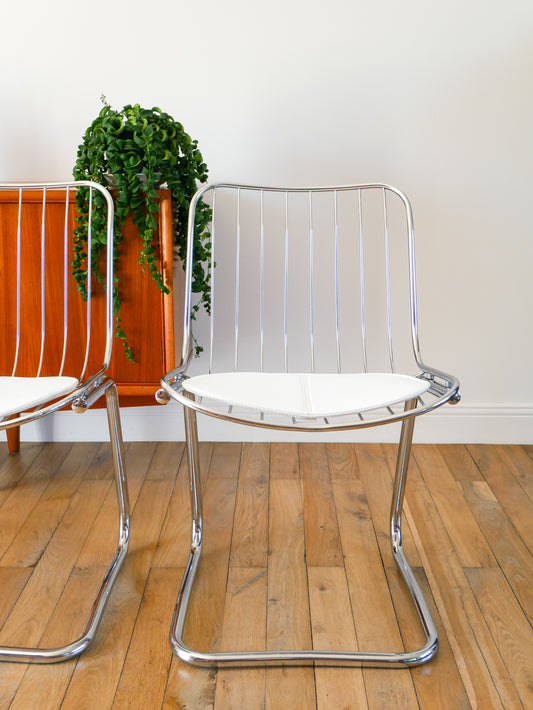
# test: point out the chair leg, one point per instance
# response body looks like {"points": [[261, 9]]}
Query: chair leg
{"points": [[13, 439], [302, 657], [74, 648]]}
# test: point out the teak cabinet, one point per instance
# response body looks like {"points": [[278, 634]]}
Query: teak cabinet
{"points": [[147, 315]]}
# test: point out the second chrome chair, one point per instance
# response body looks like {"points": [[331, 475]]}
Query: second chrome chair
{"points": [[56, 348], [314, 327]]}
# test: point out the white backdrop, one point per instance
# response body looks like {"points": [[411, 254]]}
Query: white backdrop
{"points": [[435, 98]]}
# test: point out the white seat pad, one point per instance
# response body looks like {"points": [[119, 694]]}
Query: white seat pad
{"points": [[19, 394], [307, 395]]}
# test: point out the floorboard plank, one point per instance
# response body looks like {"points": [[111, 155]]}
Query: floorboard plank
{"points": [[97, 674], [512, 554], [314, 465], [21, 499], [479, 663], [175, 540], [284, 461], [375, 621], [333, 630], [508, 626], [225, 460], [438, 684], [288, 620], [468, 540], [34, 607], [322, 539], [520, 465], [244, 629], [64, 625], [377, 466], [14, 466], [342, 461], [249, 545], [102, 540], [206, 608], [145, 671], [33, 536], [504, 486], [460, 463]]}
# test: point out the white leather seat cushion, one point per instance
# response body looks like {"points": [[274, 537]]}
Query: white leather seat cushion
{"points": [[19, 394], [307, 395]]}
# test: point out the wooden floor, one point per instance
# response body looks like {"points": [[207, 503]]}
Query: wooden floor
{"points": [[296, 552]]}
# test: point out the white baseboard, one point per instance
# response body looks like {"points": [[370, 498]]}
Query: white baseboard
{"points": [[462, 424]]}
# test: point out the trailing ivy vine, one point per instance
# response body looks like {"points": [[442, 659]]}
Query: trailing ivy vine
{"points": [[134, 151]]}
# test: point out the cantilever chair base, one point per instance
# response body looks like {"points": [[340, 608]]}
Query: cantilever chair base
{"points": [[397, 659], [79, 645]]}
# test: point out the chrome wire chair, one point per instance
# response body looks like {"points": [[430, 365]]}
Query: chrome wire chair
{"points": [[56, 345], [314, 327]]}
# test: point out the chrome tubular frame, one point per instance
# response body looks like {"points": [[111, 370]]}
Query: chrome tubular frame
{"points": [[87, 392], [442, 388], [398, 659]]}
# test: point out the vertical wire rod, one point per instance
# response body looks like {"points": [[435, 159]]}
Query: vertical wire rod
{"points": [[110, 266], [286, 287], [262, 277], [362, 280], [19, 229], [89, 271], [43, 284], [212, 269], [237, 277], [337, 331], [65, 286], [387, 278], [311, 281]]}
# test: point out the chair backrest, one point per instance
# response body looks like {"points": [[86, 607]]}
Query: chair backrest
{"points": [[47, 326], [308, 280]]}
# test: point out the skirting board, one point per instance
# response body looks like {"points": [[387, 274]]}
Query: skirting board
{"points": [[459, 424]]}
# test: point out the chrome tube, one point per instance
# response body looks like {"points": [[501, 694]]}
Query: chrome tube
{"points": [[336, 233], [237, 278], [286, 287], [262, 281], [212, 271], [387, 278], [89, 283], [19, 228], [43, 284], [110, 266], [65, 285], [362, 280], [311, 282]]}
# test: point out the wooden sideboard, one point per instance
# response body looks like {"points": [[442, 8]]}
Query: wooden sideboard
{"points": [[147, 315]]}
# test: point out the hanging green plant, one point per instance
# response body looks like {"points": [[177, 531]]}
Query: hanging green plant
{"points": [[134, 152]]}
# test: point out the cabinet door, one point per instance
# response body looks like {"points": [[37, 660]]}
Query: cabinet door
{"points": [[147, 315]]}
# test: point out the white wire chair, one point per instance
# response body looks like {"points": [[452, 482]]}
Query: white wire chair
{"points": [[56, 346], [314, 327]]}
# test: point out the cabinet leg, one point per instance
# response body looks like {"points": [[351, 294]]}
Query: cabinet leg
{"points": [[13, 439]]}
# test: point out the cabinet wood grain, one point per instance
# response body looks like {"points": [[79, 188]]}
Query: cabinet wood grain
{"points": [[147, 314]]}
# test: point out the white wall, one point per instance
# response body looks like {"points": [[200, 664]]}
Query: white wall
{"points": [[433, 97]]}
